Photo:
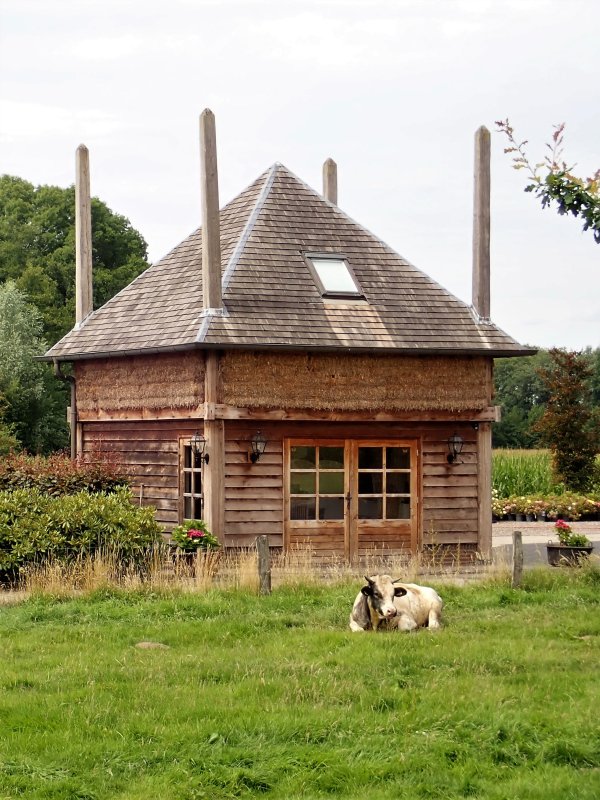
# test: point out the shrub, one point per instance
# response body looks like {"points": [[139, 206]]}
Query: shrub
{"points": [[35, 526], [58, 474]]}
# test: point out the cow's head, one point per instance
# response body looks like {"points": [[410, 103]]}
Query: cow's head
{"points": [[381, 591]]}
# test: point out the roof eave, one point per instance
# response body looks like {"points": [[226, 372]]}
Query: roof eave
{"points": [[494, 352]]}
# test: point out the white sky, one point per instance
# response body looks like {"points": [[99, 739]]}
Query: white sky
{"points": [[393, 90]]}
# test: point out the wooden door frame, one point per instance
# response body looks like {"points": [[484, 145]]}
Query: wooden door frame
{"points": [[350, 523], [306, 441], [414, 444]]}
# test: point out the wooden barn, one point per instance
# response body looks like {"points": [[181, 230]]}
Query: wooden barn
{"points": [[283, 371]]}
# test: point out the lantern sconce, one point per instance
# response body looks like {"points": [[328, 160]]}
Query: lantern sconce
{"points": [[198, 445], [455, 446], [258, 444]]}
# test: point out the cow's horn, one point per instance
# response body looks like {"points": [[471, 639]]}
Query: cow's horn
{"points": [[369, 581]]}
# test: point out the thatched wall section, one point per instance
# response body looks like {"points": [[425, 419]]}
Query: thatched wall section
{"points": [[355, 382], [140, 382]]}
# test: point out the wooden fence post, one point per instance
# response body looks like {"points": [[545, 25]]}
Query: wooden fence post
{"points": [[517, 565], [264, 564]]}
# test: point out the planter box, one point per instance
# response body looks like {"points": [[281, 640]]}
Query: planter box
{"points": [[564, 555]]}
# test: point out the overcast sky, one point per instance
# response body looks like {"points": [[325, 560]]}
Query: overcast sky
{"points": [[393, 90]]}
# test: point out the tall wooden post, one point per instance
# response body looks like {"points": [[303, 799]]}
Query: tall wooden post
{"points": [[214, 431], [83, 236], [213, 489], [481, 306], [330, 191], [211, 231], [481, 224], [484, 488]]}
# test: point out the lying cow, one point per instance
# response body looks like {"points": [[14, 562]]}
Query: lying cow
{"points": [[385, 603]]}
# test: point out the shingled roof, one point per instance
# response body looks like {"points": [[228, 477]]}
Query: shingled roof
{"points": [[270, 296]]}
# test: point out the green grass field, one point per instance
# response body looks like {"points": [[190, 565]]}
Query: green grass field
{"points": [[273, 697]]}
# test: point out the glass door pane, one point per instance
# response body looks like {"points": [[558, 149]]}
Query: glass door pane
{"points": [[316, 486], [397, 483], [383, 482]]}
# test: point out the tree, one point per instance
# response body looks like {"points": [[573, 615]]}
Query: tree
{"points": [[33, 408], [521, 393], [37, 250], [553, 181], [568, 424]]}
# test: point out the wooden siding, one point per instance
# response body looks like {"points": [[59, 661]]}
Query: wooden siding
{"points": [[450, 501], [152, 383], [150, 453], [254, 493], [354, 382]]}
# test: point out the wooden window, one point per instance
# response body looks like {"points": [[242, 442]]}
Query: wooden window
{"points": [[316, 482], [191, 479], [383, 482]]}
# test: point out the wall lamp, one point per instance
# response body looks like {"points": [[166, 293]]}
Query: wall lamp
{"points": [[455, 446], [258, 444], [198, 445]]}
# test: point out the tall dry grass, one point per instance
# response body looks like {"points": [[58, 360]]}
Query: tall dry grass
{"points": [[229, 569]]}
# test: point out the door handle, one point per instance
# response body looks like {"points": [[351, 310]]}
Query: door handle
{"points": [[348, 500]]}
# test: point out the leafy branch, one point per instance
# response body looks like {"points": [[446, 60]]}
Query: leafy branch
{"points": [[552, 180]]}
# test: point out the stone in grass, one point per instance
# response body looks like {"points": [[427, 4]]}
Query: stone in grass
{"points": [[152, 646]]}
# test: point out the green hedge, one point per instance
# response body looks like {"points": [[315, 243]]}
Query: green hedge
{"points": [[35, 526], [58, 474]]}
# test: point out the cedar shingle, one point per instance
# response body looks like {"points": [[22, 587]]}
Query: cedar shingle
{"points": [[270, 296]]}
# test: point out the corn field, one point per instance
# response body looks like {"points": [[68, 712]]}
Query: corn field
{"points": [[522, 472]]}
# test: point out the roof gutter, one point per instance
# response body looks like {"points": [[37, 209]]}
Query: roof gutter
{"points": [[408, 352]]}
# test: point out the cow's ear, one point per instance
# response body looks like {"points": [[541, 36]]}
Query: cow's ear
{"points": [[367, 590], [399, 591]]}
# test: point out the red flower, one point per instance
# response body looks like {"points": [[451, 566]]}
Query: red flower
{"points": [[193, 533]]}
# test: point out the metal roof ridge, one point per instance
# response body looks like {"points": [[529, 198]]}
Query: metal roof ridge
{"points": [[237, 252], [249, 226]]}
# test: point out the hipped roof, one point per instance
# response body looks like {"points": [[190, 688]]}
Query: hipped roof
{"points": [[270, 297]]}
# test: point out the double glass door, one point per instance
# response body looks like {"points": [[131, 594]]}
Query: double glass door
{"points": [[348, 497]]}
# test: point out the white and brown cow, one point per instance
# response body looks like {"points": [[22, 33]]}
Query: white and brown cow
{"points": [[386, 603]]}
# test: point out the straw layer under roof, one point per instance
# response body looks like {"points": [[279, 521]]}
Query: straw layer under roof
{"points": [[354, 382], [141, 382]]}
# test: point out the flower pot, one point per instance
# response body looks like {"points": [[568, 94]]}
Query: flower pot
{"points": [[566, 555]]}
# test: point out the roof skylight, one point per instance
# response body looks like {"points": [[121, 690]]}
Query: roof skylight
{"points": [[334, 276]]}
